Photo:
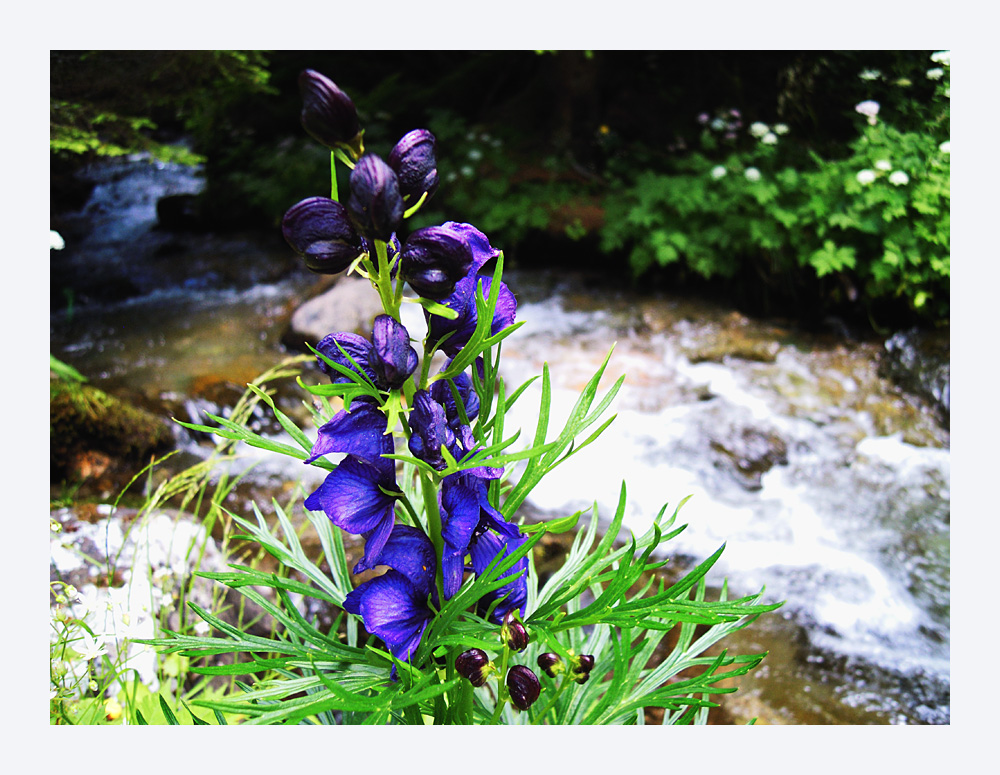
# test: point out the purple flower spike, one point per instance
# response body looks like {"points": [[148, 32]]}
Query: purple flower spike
{"points": [[396, 359], [462, 301], [434, 259], [415, 165], [375, 205], [356, 432], [319, 230], [328, 113]]}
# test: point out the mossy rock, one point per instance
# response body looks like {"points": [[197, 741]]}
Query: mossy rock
{"points": [[84, 419]]}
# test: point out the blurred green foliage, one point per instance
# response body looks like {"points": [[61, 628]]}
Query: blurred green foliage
{"points": [[590, 157]]}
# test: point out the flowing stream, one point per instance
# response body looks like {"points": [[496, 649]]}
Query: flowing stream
{"points": [[828, 485]]}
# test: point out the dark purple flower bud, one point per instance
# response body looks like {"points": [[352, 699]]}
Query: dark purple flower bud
{"points": [[328, 114], [551, 664], [319, 230], [513, 633], [429, 430], [375, 205], [396, 359], [415, 165], [580, 667], [338, 346], [474, 665], [434, 259], [523, 686]]}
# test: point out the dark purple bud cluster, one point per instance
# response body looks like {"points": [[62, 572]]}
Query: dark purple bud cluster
{"points": [[387, 360], [580, 667]]}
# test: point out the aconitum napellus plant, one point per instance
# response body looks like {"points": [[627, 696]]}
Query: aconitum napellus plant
{"points": [[423, 472]]}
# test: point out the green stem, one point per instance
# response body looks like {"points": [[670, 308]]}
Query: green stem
{"points": [[540, 718], [433, 514], [383, 281], [333, 177], [502, 694]]}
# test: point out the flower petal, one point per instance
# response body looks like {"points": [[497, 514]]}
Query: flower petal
{"points": [[360, 431]]}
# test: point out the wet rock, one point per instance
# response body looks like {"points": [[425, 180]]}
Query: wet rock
{"points": [[919, 362], [350, 305], [735, 338], [90, 431], [748, 453]]}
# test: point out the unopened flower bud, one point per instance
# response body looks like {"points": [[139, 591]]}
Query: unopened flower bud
{"points": [[551, 663], [434, 258], [413, 161], [474, 665], [580, 667], [328, 114], [523, 686], [513, 633], [319, 230], [375, 204]]}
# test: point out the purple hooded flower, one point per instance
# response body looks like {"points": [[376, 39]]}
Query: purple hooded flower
{"points": [[328, 113], [396, 359], [512, 595], [394, 606], [435, 258], [430, 431], [441, 392], [356, 432], [375, 205], [462, 301], [413, 161], [388, 360], [319, 230], [354, 497]]}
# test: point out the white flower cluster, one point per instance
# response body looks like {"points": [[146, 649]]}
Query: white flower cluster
{"points": [[752, 174], [945, 147], [897, 178], [869, 109], [718, 172], [767, 135], [870, 75], [935, 73], [942, 58]]}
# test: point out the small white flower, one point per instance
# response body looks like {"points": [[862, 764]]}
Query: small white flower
{"points": [[866, 176], [941, 57], [780, 129], [945, 147], [56, 242], [868, 108], [475, 154], [718, 124], [935, 73], [769, 139], [759, 129], [718, 172], [899, 178], [752, 174], [883, 164], [466, 171], [89, 648], [202, 628], [870, 75]]}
